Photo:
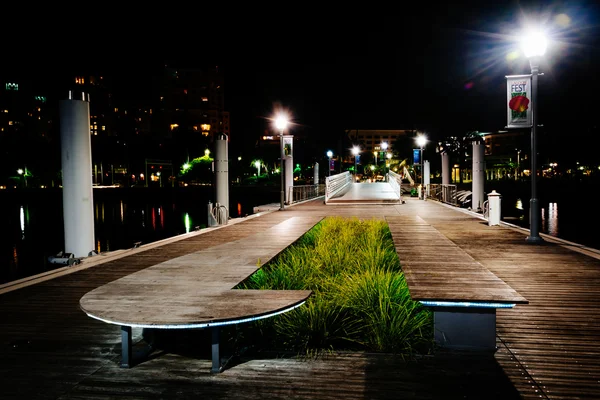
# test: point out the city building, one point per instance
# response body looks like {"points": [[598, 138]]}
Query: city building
{"points": [[26, 122], [371, 139]]}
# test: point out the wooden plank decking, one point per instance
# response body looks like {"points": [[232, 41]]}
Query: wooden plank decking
{"points": [[436, 269], [549, 348], [195, 289]]}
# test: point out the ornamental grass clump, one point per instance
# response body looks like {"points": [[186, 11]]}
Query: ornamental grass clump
{"points": [[360, 298]]}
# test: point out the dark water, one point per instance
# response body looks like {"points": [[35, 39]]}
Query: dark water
{"points": [[568, 210], [31, 221]]}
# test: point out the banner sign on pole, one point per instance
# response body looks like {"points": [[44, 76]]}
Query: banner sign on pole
{"points": [[518, 101], [331, 164], [416, 156]]}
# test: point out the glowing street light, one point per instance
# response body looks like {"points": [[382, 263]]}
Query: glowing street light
{"points": [[329, 155], [534, 46], [355, 151], [281, 122], [421, 141]]}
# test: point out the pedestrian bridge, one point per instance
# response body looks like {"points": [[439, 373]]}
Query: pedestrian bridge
{"points": [[341, 189]]}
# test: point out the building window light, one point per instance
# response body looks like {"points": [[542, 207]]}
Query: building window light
{"points": [[205, 99], [184, 91], [12, 86], [103, 127], [116, 109], [173, 126]]}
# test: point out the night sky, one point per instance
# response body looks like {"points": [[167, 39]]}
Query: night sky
{"points": [[437, 70]]}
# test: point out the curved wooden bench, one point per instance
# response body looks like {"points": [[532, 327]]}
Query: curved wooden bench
{"points": [[196, 290]]}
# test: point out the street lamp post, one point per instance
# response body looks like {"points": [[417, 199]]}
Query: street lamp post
{"points": [[421, 140], [534, 47], [384, 147], [389, 157], [355, 151], [281, 123], [329, 155]]}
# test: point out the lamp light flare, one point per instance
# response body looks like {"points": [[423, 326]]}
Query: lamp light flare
{"points": [[281, 122], [534, 43]]}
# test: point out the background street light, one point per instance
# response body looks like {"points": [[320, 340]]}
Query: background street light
{"points": [[534, 46], [257, 165], [329, 155], [421, 140], [355, 151], [281, 123]]}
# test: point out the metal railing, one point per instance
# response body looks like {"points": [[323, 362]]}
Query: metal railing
{"points": [[306, 192], [444, 193], [337, 184], [395, 182], [486, 209], [217, 215]]}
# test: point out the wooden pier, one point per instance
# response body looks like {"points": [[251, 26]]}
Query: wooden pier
{"points": [[547, 349]]}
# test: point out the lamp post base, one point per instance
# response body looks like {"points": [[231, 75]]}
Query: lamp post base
{"points": [[534, 239]]}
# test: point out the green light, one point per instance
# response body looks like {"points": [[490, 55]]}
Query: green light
{"points": [[12, 86], [41, 98], [188, 222]]}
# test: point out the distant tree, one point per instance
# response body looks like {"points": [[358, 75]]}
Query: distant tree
{"points": [[402, 148], [198, 170]]}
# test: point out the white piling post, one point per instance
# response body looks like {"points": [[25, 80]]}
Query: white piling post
{"points": [[289, 168], [426, 177], [478, 176], [222, 171], [445, 169], [77, 193]]}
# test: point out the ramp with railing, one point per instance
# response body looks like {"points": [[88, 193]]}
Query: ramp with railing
{"points": [[336, 185]]}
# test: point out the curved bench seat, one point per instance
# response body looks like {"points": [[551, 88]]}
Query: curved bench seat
{"points": [[196, 290], [185, 307]]}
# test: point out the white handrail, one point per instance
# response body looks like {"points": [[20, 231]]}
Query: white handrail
{"points": [[396, 183], [337, 183]]}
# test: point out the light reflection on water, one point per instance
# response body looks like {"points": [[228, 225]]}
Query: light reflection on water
{"points": [[550, 219], [22, 219], [519, 204], [187, 222], [32, 230]]}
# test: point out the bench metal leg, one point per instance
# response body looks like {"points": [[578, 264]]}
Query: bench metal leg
{"points": [[126, 347], [465, 328], [216, 358]]}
